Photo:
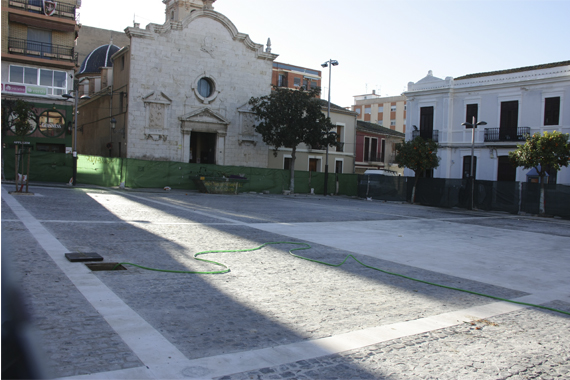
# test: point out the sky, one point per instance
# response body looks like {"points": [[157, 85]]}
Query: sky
{"points": [[380, 45]]}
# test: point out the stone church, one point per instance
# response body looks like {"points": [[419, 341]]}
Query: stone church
{"points": [[179, 92]]}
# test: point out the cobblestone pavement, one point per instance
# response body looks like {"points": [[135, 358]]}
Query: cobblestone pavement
{"points": [[270, 298]]}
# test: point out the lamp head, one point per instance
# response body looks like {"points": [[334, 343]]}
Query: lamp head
{"points": [[326, 64], [67, 96], [113, 123], [334, 63], [482, 123]]}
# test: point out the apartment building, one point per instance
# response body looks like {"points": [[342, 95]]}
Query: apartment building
{"points": [[38, 66], [389, 111], [376, 147], [295, 77], [513, 103]]}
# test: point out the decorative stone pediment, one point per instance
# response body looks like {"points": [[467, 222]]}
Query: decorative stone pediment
{"points": [[203, 120]]}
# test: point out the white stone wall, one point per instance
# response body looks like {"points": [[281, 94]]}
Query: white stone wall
{"points": [[166, 63]]}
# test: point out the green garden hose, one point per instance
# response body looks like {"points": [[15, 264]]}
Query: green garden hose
{"points": [[307, 246]]}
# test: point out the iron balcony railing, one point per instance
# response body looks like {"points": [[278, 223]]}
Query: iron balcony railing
{"points": [[36, 6], [506, 134], [41, 50], [434, 135], [370, 157]]}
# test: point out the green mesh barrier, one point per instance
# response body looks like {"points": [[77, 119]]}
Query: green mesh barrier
{"points": [[44, 166], [95, 170]]}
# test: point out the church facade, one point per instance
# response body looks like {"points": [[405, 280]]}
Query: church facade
{"points": [[180, 91]]}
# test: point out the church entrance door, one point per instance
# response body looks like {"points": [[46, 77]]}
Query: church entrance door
{"points": [[203, 148]]}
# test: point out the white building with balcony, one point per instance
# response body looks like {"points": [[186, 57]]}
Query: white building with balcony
{"points": [[513, 103]]}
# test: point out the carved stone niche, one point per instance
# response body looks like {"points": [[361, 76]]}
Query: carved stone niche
{"points": [[157, 108], [246, 126]]}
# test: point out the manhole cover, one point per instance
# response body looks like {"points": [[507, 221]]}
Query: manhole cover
{"points": [[105, 266], [83, 256]]}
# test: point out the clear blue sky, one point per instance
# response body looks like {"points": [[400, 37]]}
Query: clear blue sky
{"points": [[381, 44]]}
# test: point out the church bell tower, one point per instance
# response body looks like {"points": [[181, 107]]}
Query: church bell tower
{"points": [[178, 10]]}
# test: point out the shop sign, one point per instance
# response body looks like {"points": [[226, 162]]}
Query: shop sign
{"points": [[14, 88], [22, 142], [51, 123], [36, 90]]}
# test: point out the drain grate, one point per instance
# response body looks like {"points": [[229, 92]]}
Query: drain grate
{"points": [[105, 266], [83, 256]]}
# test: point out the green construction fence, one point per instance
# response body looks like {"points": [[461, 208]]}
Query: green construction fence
{"points": [[134, 173]]}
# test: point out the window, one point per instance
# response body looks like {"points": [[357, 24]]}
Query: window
{"points": [[506, 170], [314, 164], [205, 87], [287, 163], [282, 81], [39, 42], [382, 151], [426, 122], [367, 110], [392, 108], [392, 123], [51, 123], [552, 111], [509, 120], [55, 81], [467, 166], [296, 82], [339, 138], [357, 110], [471, 112], [338, 166], [380, 109], [306, 84], [313, 85], [370, 148]]}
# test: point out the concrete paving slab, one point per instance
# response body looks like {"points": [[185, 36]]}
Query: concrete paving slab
{"points": [[275, 316]]}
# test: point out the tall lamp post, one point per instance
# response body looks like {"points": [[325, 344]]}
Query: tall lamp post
{"points": [[472, 125], [331, 63], [75, 97]]}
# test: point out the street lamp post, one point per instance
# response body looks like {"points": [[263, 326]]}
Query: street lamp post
{"points": [[472, 125], [330, 62], [75, 97]]}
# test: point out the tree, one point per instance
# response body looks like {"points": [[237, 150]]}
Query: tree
{"points": [[288, 118], [19, 116], [418, 155], [550, 151]]}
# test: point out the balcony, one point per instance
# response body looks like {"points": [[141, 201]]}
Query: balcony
{"points": [[41, 50], [36, 6], [502, 135], [426, 135]]}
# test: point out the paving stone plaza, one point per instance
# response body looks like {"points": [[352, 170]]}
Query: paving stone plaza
{"points": [[276, 316]]}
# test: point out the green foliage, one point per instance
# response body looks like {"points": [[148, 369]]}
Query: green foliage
{"points": [[549, 151], [289, 118], [417, 154]]}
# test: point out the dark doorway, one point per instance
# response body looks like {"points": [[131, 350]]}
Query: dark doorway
{"points": [[509, 120], [426, 122], [467, 167], [507, 171], [202, 148]]}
